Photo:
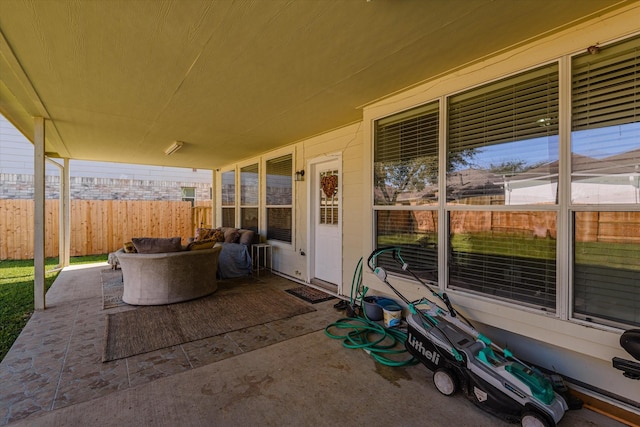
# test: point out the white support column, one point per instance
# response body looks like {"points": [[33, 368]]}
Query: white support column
{"points": [[65, 214], [39, 215]]}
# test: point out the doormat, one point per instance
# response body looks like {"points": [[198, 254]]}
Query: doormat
{"points": [[112, 288], [310, 294]]}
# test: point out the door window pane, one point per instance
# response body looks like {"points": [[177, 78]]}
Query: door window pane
{"points": [[328, 203]]}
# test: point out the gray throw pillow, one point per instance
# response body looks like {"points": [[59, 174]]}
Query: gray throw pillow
{"points": [[247, 237], [156, 245]]}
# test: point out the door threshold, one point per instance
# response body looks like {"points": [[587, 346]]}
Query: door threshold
{"points": [[331, 287]]}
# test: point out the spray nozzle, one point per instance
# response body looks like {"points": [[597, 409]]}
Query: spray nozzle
{"points": [[381, 273]]}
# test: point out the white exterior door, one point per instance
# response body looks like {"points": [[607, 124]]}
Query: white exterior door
{"points": [[326, 221]]}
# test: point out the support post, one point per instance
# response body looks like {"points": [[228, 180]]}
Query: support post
{"points": [[65, 213], [39, 215], [213, 199]]}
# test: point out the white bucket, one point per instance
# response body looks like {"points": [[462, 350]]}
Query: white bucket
{"points": [[392, 316]]}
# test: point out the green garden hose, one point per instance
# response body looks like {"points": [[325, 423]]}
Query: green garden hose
{"points": [[366, 334]]}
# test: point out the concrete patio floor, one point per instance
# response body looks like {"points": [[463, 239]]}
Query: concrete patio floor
{"points": [[285, 372]]}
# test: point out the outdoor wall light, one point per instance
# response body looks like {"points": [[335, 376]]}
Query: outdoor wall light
{"points": [[173, 148], [300, 175]]}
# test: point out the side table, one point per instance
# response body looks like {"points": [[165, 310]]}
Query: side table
{"points": [[260, 253]]}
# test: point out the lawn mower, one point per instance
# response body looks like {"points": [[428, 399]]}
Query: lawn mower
{"points": [[461, 358]]}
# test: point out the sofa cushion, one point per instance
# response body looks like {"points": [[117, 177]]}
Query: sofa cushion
{"points": [[155, 245], [201, 244]]}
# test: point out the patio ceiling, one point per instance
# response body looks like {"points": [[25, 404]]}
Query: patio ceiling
{"points": [[119, 81]]}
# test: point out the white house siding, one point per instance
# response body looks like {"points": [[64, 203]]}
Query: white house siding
{"points": [[581, 352]]}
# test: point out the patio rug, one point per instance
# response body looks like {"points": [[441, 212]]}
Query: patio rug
{"points": [[145, 329], [112, 288], [310, 294]]}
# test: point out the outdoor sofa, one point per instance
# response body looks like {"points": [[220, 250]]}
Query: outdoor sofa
{"points": [[168, 277]]}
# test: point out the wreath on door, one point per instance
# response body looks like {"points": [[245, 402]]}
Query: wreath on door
{"points": [[329, 185]]}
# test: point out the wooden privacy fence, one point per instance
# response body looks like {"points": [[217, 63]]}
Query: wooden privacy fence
{"points": [[97, 226]]}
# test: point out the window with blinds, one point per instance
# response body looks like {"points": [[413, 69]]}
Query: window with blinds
{"points": [[228, 196], [502, 141], [406, 158], [605, 171], [279, 198], [249, 190], [406, 177], [503, 149], [508, 255], [606, 268], [605, 138]]}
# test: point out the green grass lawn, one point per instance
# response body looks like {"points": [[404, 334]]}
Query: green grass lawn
{"points": [[16, 294]]}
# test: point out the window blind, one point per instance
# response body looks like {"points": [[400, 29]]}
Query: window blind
{"points": [[406, 156], [512, 109], [606, 273], [606, 87], [249, 185], [228, 188], [408, 135], [279, 182], [498, 254], [279, 198]]}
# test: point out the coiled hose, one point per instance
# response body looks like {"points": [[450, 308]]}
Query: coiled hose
{"points": [[378, 341]]}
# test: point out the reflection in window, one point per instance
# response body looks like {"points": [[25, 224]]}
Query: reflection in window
{"points": [[605, 139], [606, 269], [416, 233], [503, 141], [406, 158], [508, 255]]}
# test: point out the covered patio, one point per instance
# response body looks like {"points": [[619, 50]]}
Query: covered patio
{"points": [[54, 375], [290, 100]]}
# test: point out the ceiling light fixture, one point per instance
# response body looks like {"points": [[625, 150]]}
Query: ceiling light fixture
{"points": [[173, 148]]}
